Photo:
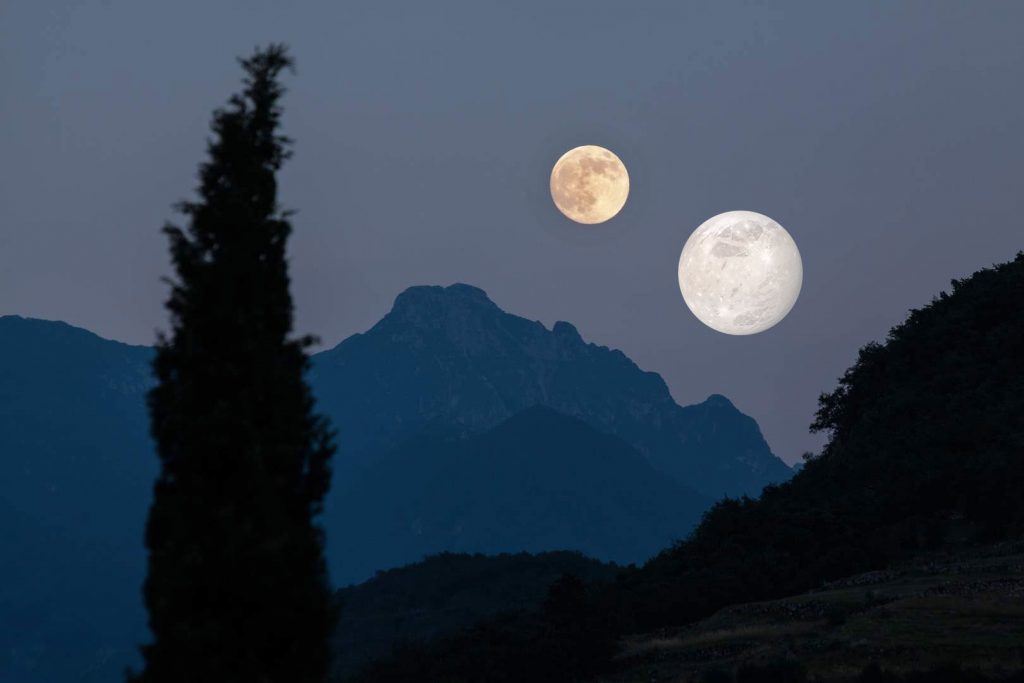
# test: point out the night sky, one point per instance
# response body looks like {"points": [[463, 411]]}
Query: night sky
{"points": [[886, 138]]}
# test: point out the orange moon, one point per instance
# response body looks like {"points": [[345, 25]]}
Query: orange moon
{"points": [[589, 184]]}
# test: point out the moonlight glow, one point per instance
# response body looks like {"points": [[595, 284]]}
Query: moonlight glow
{"points": [[589, 184], [740, 272]]}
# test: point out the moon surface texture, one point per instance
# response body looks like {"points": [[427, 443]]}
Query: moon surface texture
{"points": [[589, 184], [740, 272]]}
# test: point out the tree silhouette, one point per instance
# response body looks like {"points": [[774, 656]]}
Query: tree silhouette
{"points": [[237, 586]]}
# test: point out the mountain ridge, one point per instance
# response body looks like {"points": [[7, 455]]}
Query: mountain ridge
{"points": [[451, 355]]}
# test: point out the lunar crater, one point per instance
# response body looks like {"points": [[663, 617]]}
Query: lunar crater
{"points": [[726, 250]]}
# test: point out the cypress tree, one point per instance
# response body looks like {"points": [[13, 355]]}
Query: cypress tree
{"points": [[237, 586]]}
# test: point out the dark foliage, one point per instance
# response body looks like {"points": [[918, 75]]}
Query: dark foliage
{"points": [[782, 671], [944, 673], [237, 587], [785, 671], [925, 449], [566, 640], [419, 603], [788, 671]]}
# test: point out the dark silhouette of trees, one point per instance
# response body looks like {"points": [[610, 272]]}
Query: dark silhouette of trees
{"points": [[566, 640], [924, 450], [237, 587], [421, 603], [578, 640]]}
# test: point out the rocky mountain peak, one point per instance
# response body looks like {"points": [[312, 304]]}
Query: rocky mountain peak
{"points": [[718, 401], [566, 330], [433, 299]]}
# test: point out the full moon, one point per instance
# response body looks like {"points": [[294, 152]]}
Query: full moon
{"points": [[589, 184], [740, 272]]}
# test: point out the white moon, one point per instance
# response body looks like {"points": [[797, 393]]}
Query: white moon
{"points": [[740, 272], [589, 184]]}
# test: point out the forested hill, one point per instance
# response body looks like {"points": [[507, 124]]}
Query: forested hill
{"points": [[926, 447], [443, 593], [925, 450]]}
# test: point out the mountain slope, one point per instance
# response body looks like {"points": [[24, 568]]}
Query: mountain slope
{"points": [[926, 443], [72, 422], [76, 469], [448, 358], [538, 481], [963, 607]]}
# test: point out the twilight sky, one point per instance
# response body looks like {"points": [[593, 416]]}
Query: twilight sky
{"points": [[888, 138]]}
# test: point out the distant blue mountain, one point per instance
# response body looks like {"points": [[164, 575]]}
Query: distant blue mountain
{"points": [[447, 358], [432, 387], [76, 470], [536, 482]]}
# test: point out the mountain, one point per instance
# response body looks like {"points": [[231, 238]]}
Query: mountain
{"points": [[538, 481], [924, 460], [449, 359], [445, 365], [421, 602], [76, 470], [73, 423]]}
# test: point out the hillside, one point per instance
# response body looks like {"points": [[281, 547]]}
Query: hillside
{"points": [[926, 435], [443, 593], [538, 481], [964, 607]]}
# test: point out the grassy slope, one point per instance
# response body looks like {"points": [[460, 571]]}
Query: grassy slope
{"points": [[966, 608]]}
